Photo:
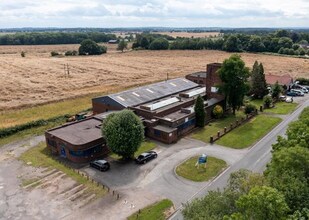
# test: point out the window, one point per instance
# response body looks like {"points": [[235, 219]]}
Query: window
{"points": [[157, 133], [88, 152]]}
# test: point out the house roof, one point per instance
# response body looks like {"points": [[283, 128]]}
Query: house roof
{"points": [[148, 93], [282, 80]]}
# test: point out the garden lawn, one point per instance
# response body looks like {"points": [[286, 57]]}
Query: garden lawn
{"points": [[250, 132], [282, 108], [40, 156], [145, 146], [188, 170], [212, 128], [155, 211]]}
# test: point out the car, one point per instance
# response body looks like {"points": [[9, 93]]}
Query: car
{"points": [[145, 157], [289, 99], [101, 165], [291, 93], [298, 92], [282, 98]]}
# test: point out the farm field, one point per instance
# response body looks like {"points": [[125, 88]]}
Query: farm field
{"points": [[190, 34], [39, 78]]}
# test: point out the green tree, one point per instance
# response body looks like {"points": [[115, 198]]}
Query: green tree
{"points": [[234, 76], [258, 81], [144, 43], [288, 172], [276, 90], [256, 44], [159, 44], [89, 47], [124, 133], [122, 45], [232, 44], [285, 42], [199, 111], [263, 203], [267, 100]]}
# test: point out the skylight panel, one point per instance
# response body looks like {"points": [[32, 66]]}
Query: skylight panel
{"points": [[119, 97], [134, 93]]}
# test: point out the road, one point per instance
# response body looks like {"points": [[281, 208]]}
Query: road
{"points": [[256, 158]]}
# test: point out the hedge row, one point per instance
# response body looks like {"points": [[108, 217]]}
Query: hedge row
{"points": [[41, 122]]}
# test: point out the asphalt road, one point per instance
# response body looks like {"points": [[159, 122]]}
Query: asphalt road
{"points": [[256, 158]]}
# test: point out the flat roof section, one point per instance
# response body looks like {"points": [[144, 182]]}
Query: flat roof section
{"points": [[144, 94], [161, 104], [79, 133], [201, 74], [164, 128]]}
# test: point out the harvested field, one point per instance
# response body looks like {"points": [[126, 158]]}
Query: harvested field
{"points": [[39, 78], [190, 34]]}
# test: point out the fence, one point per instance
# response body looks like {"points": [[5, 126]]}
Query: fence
{"points": [[231, 127]]}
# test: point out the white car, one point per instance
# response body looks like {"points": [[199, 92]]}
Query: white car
{"points": [[289, 99]]}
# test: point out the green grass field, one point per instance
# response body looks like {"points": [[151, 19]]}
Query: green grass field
{"points": [[153, 212], [212, 128], [188, 170], [40, 156], [281, 108], [250, 132], [146, 146]]}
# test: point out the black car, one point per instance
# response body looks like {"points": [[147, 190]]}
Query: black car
{"points": [[101, 165], [145, 157]]}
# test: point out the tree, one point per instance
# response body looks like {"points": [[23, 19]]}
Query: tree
{"points": [[159, 44], [122, 45], [144, 43], [234, 76], [285, 42], [256, 44], [199, 112], [288, 172], [267, 100], [276, 90], [89, 47], [124, 133], [258, 81], [232, 44], [263, 203], [217, 111]]}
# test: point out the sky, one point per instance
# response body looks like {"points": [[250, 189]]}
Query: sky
{"points": [[154, 13]]}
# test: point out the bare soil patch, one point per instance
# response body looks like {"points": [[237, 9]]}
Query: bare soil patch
{"points": [[39, 78]]}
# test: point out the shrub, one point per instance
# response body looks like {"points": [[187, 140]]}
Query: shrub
{"points": [[54, 53], [249, 108], [22, 54], [159, 44], [281, 50], [217, 111], [301, 51], [267, 100], [71, 53]]}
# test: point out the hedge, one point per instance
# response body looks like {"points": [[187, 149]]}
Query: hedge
{"points": [[41, 122]]}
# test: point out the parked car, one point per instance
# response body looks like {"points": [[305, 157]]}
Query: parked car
{"points": [[282, 98], [145, 157], [291, 93], [101, 165], [298, 92], [289, 99]]}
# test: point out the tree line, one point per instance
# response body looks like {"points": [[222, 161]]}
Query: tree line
{"points": [[53, 38], [280, 193], [281, 41]]}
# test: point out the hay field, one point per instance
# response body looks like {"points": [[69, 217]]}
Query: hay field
{"points": [[39, 78], [190, 34]]}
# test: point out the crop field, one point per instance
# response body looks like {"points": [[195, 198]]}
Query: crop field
{"points": [[39, 78], [190, 34]]}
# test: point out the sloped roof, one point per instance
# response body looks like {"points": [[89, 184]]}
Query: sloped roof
{"points": [[151, 92], [282, 80]]}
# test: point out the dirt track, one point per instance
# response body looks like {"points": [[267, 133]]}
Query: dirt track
{"points": [[39, 78]]}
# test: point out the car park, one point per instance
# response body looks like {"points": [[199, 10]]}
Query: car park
{"points": [[101, 165], [145, 157]]}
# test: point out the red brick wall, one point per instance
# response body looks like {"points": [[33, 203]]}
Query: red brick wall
{"points": [[196, 79], [101, 107], [213, 79]]}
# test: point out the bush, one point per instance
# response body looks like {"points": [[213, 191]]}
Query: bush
{"points": [[281, 50], [22, 54], [54, 53], [71, 53], [291, 52], [267, 100], [159, 44], [217, 111], [301, 51], [249, 108]]}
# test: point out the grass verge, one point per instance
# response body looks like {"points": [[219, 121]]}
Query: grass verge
{"points": [[28, 133], [250, 132], [212, 128], [188, 170], [155, 211], [70, 107], [146, 146], [40, 156], [282, 108]]}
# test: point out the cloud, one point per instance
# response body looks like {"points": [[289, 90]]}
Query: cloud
{"points": [[128, 13]]}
